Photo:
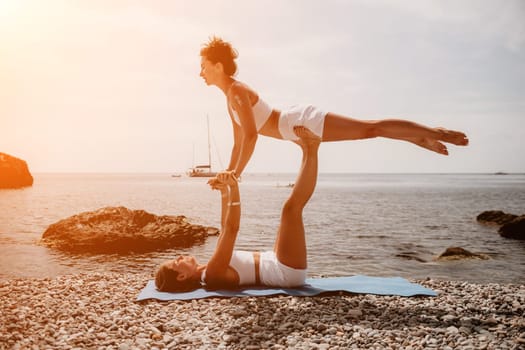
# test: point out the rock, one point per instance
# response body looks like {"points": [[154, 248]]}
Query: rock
{"points": [[514, 229], [452, 329], [458, 253], [448, 318], [410, 256], [121, 230], [511, 226], [355, 313], [14, 172], [495, 217]]}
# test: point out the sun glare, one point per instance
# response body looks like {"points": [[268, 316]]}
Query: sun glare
{"points": [[8, 7], [9, 10]]}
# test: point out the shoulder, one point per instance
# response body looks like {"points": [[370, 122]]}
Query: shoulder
{"points": [[238, 87], [228, 278], [240, 91]]}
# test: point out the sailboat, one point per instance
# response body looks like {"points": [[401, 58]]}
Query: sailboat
{"points": [[203, 170]]}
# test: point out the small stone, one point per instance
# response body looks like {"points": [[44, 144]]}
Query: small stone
{"points": [[448, 318], [355, 313], [491, 321], [452, 330], [465, 330]]}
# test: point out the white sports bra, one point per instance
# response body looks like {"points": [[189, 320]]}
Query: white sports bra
{"points": [[244, 263], [272, 272], [261, 113]]}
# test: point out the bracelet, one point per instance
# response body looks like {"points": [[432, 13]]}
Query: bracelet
{"points": [[234, 204]]}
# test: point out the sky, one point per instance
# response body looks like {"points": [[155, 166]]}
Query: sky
{"points": [[113, 86]]}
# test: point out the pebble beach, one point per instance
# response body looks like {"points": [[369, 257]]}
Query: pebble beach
{"points": [[98, 311]]}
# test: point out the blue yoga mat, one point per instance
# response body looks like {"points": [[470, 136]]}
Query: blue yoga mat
{"points": [[314, 286]]}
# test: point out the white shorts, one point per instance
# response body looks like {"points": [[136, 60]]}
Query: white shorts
{"points": [[273, 273], [308, 116]]}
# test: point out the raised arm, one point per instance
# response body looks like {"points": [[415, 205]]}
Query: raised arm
{"points": [[240, 101], [217, 266], [215, 184], [237, 141]]}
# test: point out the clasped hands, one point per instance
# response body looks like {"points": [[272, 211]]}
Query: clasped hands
{"points": [[222, 180]]}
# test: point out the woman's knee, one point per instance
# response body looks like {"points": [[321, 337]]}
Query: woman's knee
{"points": [[292, 207]]}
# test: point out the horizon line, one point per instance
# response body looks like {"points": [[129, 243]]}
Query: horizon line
{"points": [[280, 173]]}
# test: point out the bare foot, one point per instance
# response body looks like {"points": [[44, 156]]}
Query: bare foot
{"points": [[306, 136], [454, 137], [434, 145], [430, 144]]}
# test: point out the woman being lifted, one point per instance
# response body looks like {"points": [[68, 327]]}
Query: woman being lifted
{"points": [[251, 115]]}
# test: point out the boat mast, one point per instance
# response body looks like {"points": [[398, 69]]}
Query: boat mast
{"points": [[209, 148]]}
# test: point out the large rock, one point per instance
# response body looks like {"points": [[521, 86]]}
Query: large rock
{"points": [[514, 229], [121, 230], [495, 217], [511, 226], [14, 172], [458, 253]]}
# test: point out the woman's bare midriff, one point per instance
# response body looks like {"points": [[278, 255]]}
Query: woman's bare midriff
{"points": [[271, 127]]}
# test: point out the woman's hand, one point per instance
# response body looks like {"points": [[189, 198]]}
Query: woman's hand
{"points": [[215, 184], [228, 178], [234, 174]]}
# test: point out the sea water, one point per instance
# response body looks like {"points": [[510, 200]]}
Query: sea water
{"points": [[373, 224]]}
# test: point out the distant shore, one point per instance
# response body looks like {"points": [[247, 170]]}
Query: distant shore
{"points": [[98, 310]]}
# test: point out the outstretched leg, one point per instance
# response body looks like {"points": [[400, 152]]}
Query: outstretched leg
{"points": [[339, 128], [290, 244]]}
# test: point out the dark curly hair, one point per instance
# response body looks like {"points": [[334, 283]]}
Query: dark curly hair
{"points": [[166, 281], [217, 50]]}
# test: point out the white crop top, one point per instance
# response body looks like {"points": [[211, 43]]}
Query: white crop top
{"points": [[261, 113], [244, 263], [272, 271]]}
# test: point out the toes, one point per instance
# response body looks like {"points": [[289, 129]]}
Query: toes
{"points": [[306, 134], [455, 137], [299, 130], [435, 146], [441, 148], [461, 138]]}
